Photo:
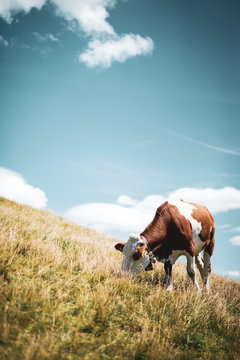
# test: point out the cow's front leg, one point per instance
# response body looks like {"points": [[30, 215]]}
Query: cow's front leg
{"points": [[168, 270], [191, 270]]}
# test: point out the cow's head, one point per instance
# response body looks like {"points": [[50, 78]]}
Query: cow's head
{"points": [[135, 255]]}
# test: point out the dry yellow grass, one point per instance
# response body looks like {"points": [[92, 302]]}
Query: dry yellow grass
{"points": [[61, 298]]}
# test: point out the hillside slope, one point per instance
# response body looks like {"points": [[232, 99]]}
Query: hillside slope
{"points": [[61, 298]]}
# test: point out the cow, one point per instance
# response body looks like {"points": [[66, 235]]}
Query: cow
{"points": [[178, 228]]}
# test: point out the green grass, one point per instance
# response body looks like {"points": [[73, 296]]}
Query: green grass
{"points": [[61, 298]]}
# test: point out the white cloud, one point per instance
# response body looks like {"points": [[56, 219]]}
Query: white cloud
{"points": [[8, 8], [105, 45], [45, 37], [129, 215], [90, 16], [216, 200], [104, 52], [14, 187], [3, 42], [125, 200], [107, 217], [232, 274], [235, 240]]}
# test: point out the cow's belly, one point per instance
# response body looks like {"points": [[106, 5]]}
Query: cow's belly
{"points": [[174, 256], [198, 246]]}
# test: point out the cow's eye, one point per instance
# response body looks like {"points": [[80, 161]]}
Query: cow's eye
{"points": [[141, 243]]}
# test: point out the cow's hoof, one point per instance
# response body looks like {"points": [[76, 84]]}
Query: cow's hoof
{"points": [[149, 267], [169, 288]]}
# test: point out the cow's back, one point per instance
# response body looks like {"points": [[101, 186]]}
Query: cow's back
{"points": [[194, 222]]}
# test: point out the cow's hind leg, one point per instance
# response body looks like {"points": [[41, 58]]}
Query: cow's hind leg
{"points": [[168, 270], [207, 253], [200, 265], [191, 270], [207, 269]]}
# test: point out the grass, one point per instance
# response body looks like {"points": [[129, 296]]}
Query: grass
{"points": [[61, 298]]}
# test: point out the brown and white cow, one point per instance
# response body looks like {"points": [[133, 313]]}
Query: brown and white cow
{"points": [[178, 228]]}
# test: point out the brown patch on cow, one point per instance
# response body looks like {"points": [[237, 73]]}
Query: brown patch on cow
{"points": [[169, 231], [156, 230], [210, 247], [120, 246], [181, 231]]}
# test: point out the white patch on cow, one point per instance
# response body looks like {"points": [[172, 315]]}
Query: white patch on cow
{"points": [[130, 266], [186, 209], [173, 256]]}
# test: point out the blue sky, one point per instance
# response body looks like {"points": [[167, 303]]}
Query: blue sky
{"points": [[101, 99]]}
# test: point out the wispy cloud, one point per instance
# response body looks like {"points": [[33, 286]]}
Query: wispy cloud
{"points": [[100, 167], [142, 144], [212, 97], [227, 175], [228, 228], [206, 145], [43, 51], [236, 229], [93, 169], [225, 226], [3, 42], [45, 37]]}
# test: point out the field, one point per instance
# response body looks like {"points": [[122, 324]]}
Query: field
{"points": [[61, 298]]}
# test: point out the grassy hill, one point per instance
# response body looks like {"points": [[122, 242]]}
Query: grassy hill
{"points": [[61, 298]]}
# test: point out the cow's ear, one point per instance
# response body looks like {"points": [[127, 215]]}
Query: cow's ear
{"points": [[120, 246]]}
